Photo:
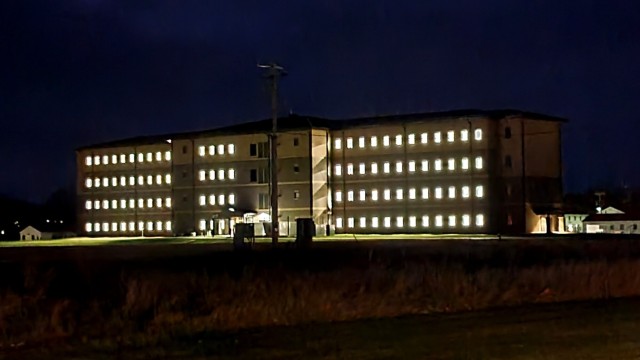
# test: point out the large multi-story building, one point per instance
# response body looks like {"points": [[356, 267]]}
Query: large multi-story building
{"points": [[467, 171]]}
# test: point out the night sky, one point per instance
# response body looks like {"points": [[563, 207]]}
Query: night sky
{"points": [[76, 72]]}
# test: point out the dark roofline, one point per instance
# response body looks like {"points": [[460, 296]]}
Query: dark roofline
{"points": [[298, 122]]}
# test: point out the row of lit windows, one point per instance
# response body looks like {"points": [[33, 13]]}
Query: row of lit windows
{"points": [[127, 204], [130, 226], [412, 193], [438, 165], [106, 182], [219, 175], [438, 137], [216, 150], [123, 158], [411, 221], [217, 200]]}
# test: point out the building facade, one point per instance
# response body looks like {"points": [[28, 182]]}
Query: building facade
{"points": [[467, 171]]}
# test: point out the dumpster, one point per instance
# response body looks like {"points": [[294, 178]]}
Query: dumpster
{"points": [[243, 236], [305, 231]]}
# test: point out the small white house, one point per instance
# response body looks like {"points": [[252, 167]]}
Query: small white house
{"points": [[30, 233], [573, 222], [613, 223]]}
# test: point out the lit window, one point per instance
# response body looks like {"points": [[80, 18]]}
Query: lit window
{"points": [[231, 149], [424, 138], [123, 226], [412, 193], [374, 222], [399, 166], [114, 204], [452, 192], [105, 226], [87, 205], [167, 179], [88, 161], [452, 220], [96, 226], [438, 165], [212, 150], [231, 174], [339, 223], [399, 221], [361, 142], [350, 195], [374, 141], [150, 203], [97, 182], [349, 169], [451, 135], [350, 222], [158, 202], [425, 165], [363, 195], [158, 156], [464, 163], [149, 157], [159, 225], [361, 168], [149, 179], [438, 193], [203, 225], [399, 194], [132, 158], [149, 225], [464, 135], [385, 140], [140, 157], [439, 221], [231, 199], [398, 140], [374, 195], [465, 192], [105, 182], [203, 200], [337, 144], [158, 179], [338, 196], [412, 221], [88, 183], [96, 204], [140, 203], [411, 139], [479, 191], [451, 164], [386, 168], [425, 220], [479, 162], [221, 174], [212, 199], [123, 203], [387, 194], [140, 180], [477, 134], [140, 225], [132, 180], [338, 170], [412, 166], [425, 193], [374, 168], [114, 181], [132, 203], [105, 159], [387, 221], [349, 143], [96, 160], [363, 222], [167, 225], [167, 155], [105, 204], [167, 202], [123, 181], [220, 149], [88, 227], [466, 220], [132, 226], [437, 137], [480, 220]]}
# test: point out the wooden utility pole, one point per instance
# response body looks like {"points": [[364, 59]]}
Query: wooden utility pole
{"points": [[274, 73]]}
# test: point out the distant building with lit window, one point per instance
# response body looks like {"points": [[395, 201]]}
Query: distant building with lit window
{"points": [[466, 171]]}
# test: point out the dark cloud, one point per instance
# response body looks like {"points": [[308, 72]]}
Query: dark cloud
{"points": [[82, 71]]}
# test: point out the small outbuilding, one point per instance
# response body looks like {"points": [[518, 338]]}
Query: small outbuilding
{"points": [[30, 233]]}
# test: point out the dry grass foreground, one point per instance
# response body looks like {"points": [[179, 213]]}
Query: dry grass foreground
{"points": [[141, 307]]}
